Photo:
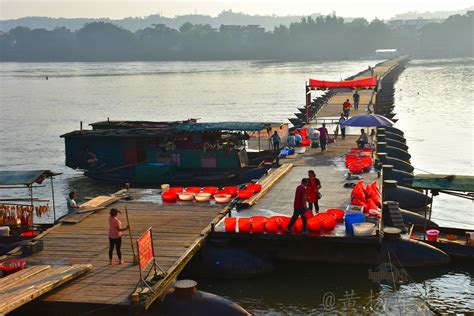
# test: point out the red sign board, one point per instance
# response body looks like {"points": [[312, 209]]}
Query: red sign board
{"points": [[145, 249]]}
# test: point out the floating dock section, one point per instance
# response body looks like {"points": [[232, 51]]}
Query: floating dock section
{"points": [[179, 230]]}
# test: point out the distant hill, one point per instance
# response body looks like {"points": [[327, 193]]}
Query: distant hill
{"points": [[430, 15], [133, 24]]}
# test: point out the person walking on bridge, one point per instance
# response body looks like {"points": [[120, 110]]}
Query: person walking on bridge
{"points": [[342, 119], [356, 98], [276, 141], [323, 137], [346, 108], [299, 206]]}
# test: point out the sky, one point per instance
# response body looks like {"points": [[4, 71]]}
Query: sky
{"points": [[370, 9]]}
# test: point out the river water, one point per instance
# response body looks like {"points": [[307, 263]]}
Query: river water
{"points": [[434, 107]]}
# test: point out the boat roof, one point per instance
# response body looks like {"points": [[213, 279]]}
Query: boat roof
{"points": [[444, 182], [25, 177], [136, 124], [157, 129], [221, 126], [123, 132]]}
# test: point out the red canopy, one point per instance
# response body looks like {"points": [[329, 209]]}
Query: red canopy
{"points": [[369, 82]]}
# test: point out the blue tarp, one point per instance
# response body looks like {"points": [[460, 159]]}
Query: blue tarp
{"points": [[221, 126], [24, 177]]}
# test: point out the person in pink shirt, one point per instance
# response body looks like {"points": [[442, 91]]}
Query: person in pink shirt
{"points": [[115, 235]]}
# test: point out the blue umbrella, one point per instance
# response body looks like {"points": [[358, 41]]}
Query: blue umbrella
{"points": [[368, 120]]}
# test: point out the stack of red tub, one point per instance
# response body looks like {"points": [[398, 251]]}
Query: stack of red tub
{"points": [[278, 224], [369, 197], [359, 160]]}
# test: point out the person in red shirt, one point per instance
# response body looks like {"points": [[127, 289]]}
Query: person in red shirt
{"points": [[299, 206], [312, 191], [346, 108], [323, 137], [115, 235]]}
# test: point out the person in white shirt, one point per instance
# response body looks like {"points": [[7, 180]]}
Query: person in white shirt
{"points": [[342, 119], [71, 203], [363, 139]]}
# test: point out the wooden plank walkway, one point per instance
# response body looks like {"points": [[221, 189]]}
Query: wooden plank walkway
{"points": [[178, 231], [333, 108], [328, 165], [24, 286], [329, 168]]}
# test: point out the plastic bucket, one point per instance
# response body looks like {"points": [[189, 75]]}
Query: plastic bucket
{"points": [[353, 219], [230, 224], [165, 187], [432, 234]]}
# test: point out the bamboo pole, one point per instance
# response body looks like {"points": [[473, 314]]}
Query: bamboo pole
{"points": [[135, 257]]}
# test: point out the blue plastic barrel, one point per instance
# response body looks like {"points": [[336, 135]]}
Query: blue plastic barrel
{"points": [[352, 219]]}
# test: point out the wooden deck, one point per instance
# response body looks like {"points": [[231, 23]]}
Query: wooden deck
{"points": [[26, 285], [178, 232]]}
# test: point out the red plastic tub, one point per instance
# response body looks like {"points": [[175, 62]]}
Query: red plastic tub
{"points": [[272, 225], [176, 189], [210, 190], [193, 189], [306, 142], [12, 266], [338, 214], [230, 224], [355, 168], [244, 194], [258, 224], [314, 224], [254, 187], [232, 190], [244, 225], [29, 234], [329, 223], [169, 196]]}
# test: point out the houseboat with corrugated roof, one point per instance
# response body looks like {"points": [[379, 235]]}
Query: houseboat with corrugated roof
{"points": [[180, 152]]}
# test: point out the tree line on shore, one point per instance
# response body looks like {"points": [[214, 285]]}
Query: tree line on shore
{"points": [[310, 39]]}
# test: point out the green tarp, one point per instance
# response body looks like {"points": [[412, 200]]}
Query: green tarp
{"points": [[221, 126], [444, 182], [24, 177]]}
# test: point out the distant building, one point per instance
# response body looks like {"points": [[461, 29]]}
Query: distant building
{"points": [[413, 24], [241, 28]]}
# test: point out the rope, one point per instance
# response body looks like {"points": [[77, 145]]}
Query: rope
{"points": [[393, 280], [423, 297]]}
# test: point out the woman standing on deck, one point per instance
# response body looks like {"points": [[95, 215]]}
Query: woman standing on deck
{"points": [[115, 235], [312, 191]]}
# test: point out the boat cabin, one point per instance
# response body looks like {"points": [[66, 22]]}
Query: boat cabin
{"points": [[154, 152]]}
